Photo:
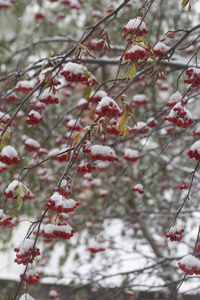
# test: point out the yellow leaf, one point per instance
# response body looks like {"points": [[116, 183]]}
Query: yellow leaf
{"points": [[123, 129], [122, 122], [126, 132]]}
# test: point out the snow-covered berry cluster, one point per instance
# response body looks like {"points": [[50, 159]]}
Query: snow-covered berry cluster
{"points": [[77, 73], [48, 97], [63, 231], [85, 168], [105, 153], [3, 167], [15, 188], [129, 292], [175, 233], [9, 156], [176, 98], [193, 77], [141, 128], [139, 100], [136, 26], [5, 220], [4, 118], [95, 44], [34, 118], [87, 146], [196, 132], [60, 204], [180, 116], [64, 188], [112, 127], [152, 122], [53, 293], [135, 53], [131, 155], [31, 145], [190, 265], [95, 97], [31, 277], [138, 188], [194, 151], [107, 107], [74, 124], [25, 252], [24, 86], [160, 48], [12, 97]]}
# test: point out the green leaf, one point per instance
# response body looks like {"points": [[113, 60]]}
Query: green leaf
{"points": [[19, 201], [184, 3], [3, 144], [7, 134], [88, 92], [16, 193], [24, 189], [132, 72]]}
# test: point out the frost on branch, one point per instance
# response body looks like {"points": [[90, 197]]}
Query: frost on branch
{"points": [[175, 233], [9, 156], [190, 265]]}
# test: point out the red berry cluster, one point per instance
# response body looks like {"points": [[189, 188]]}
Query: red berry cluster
{"points": [[134, 159], [138, 188], [31, 277], [96, 45], [53, 294], [87, 147], [158, 52], [129, 293], [5, 220], [23, 89], [31, 145], [198, 248], [193, 77], [79, 77], [108, 109], [112, 127], [52, 80], [179, 117], [9, 160], [189, 270], [104, 153], [135, 56], [175, 234], [63, 205], [85, 168], [49, 99], [59, 232], [95, 250], [139, 32], [11, 98], [33, 118], [2, 167], [39, 16], [64, 189], [196, 132], [23, 258], [183, 186], [194, 154]]}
